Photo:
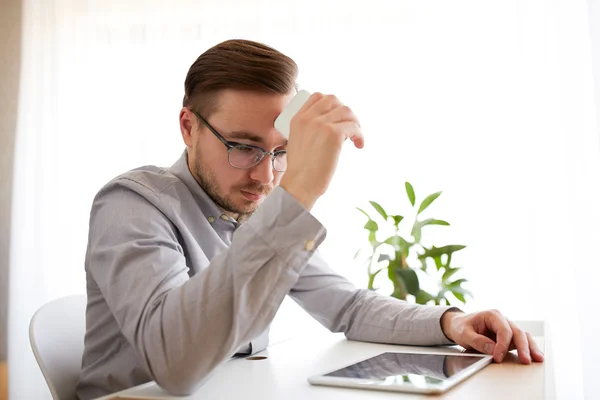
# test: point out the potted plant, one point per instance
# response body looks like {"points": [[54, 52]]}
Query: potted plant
{"points": [[406, 259]]}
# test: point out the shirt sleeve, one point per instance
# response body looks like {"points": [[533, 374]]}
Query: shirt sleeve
{"points": [[365, 315], [182, 328]]}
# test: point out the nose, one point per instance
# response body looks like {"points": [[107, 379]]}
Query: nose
{"points": [[263, 171]]}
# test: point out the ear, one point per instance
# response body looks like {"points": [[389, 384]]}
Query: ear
{"points": [[186, 125]]}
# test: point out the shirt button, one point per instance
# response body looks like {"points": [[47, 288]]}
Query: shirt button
{"points": [[225, 217], [309, 245], [211, 219]]}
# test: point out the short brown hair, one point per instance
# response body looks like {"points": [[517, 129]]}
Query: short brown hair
{"points": [[237, 64]]}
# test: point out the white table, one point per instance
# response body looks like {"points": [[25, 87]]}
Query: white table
{"points": [[282, 375]]}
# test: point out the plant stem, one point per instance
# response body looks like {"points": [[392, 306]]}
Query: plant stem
{"points": [[370, 268], [371, 281]]}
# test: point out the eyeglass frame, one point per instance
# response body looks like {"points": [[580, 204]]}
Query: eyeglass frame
{"points": [[231, 145]]}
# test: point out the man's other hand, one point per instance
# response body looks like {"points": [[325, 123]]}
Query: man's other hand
{"points": [[491, 333]]}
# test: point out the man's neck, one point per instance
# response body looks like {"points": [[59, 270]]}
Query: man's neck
{"points": [[240, 218], [230, 214]]}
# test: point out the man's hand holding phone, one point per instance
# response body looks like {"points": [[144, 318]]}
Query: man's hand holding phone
{"points": [[316, 135]]}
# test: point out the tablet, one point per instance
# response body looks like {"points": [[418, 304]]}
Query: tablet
{"points": [[406, 372]]}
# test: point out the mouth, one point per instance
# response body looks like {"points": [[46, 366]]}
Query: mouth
{"points": [[252, 196]]}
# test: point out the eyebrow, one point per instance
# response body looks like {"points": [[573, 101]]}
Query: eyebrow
{"points": [[243, 135], [246, 135]]}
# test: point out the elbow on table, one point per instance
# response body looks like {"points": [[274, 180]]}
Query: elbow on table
{"points": [[178, 385], [181, 381]]}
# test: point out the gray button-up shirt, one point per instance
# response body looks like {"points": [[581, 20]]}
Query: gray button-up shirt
{"points": [[175, 287]]}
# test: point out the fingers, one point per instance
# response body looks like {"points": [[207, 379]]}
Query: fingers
{"points": [[495, 321], [351, 130], [312, 100], [521, 343], [330, 110], [481, 343], [481, 328], [341, 113], [324, 103], [536, 354], [318, 131], [359, 142]]}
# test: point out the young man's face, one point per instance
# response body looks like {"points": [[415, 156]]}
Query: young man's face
{"points": [[245, 117]]}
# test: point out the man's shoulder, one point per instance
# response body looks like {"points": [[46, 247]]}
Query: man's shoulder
{"points": [[146, 180]]}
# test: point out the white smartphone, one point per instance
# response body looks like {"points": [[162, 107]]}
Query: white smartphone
{"points": [[406, 372], [282, 122]]}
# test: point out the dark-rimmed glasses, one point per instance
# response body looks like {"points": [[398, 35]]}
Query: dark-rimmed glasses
{"points": [[245, 156]]}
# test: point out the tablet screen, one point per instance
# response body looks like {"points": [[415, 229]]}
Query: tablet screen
{"points": [[418, 369]]}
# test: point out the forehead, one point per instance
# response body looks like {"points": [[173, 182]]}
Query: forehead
{"points": [[248, 105], [240, 112]]}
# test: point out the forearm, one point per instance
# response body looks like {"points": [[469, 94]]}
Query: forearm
{"points": [[364, 315], [376, 318]]}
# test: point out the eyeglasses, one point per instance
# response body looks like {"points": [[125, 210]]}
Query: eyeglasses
{"points": [[244, 156]]}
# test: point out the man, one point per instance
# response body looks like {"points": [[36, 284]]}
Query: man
{"points": [[187, 266]]}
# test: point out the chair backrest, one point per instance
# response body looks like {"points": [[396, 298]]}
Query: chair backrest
{"points": [[56, 333]]}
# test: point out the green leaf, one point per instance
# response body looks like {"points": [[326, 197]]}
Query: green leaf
{"points": [[457, 283], [411, 280], [448, 273], [460, 297], [415, 232], [423, 264], [379, 270], [399, 285], [438, 251], [460, 290], [371, 226], [416, 229], [438, 262], [423, 297], [372, 279], [379, 209], [431, 221], [397, 219], [398, 243], [456, 288], [373, 239], [428, 200], [410, 192], [364, 212], [448, 260]]}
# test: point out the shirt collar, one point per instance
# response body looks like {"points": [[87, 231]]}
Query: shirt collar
{"points": [[209, 208]]}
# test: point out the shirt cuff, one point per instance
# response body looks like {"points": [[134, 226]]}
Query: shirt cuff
{"points": [[433, 317]]}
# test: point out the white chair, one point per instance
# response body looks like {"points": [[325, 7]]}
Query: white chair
{"points": [[56, 333]]}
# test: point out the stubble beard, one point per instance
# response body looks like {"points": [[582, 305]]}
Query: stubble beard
{"points": [[207, 180]]}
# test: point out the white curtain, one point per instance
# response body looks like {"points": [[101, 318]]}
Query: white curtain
{"points": [[491, 102]]}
